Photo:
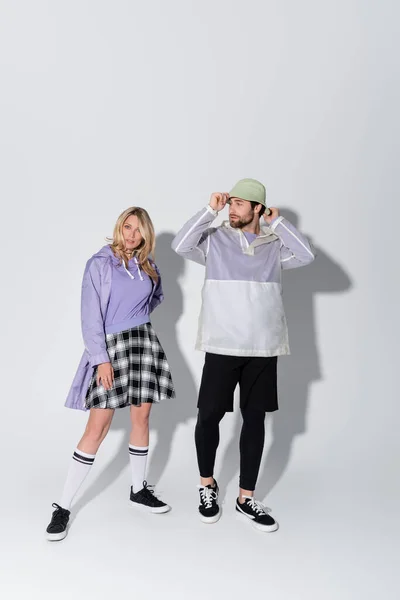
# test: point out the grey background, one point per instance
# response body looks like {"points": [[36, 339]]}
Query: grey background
{"points": [[110, 104]]}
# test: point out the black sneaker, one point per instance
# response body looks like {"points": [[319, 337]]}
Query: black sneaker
{"points": [[145, 499], [256, 512], [209, 509], [57, 529]]}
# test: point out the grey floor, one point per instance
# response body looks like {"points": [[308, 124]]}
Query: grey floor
{"points": [[337, 540]]}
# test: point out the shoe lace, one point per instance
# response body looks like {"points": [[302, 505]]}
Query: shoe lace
{"points": [[150, 495], [255, 505], [146, 488], [207, 496], [60, 515]]}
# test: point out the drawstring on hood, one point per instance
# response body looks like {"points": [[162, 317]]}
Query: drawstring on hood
{"points": [[107, 252], [138, 268], [127, 270]]}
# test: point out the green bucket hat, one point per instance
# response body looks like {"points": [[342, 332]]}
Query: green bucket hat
{"points": [[251, 190]]}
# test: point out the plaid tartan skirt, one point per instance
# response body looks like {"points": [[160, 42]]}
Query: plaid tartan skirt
{"points": [[141, 371]]}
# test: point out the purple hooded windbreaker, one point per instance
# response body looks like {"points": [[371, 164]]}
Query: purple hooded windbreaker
{"points": [[96, 292]]}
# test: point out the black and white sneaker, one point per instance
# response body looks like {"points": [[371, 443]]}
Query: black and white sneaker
{"points": [[209, 509], [146, 500], [57, 529], [257, 514]]}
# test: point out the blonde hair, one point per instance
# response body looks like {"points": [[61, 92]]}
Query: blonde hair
{"points": [[147, 246]]}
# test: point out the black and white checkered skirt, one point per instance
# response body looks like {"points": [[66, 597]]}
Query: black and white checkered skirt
{"points": [[141, 371]]}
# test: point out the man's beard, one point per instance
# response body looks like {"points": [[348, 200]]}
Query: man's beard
{"points": [[240, 223]]}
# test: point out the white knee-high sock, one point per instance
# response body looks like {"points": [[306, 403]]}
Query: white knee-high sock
{"points": [[78, 470], [138, 460]]}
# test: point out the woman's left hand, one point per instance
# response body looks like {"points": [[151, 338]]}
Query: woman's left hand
{"points": [[105, 375]]}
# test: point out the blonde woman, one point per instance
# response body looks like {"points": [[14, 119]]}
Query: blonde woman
{"points": [[123, 364]]}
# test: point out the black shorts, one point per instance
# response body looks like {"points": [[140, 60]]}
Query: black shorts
{"points": [[256, 376]]}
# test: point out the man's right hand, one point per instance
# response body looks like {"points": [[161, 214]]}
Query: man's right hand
{"points": [[105, 375], [218, 200]]}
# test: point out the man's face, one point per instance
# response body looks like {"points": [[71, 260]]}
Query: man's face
{"points": [[241, 213]]}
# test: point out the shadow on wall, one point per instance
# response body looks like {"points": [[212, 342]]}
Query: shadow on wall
{"points": [[168, 415], [296, 372]]}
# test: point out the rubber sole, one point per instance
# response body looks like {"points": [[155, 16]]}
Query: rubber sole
{"points": [[148, 509], [56, 537], [265, 528], [211, 520]]}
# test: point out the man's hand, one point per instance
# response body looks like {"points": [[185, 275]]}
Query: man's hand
{"points": [[274, 213], [105, 375], [218, 200]]}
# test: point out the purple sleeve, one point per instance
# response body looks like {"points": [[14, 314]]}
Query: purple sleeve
{"points": [[192, 241], [91, 316], [158, 295], [296, 250]]}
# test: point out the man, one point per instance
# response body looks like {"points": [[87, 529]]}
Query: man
{"points": [[242, 329]]}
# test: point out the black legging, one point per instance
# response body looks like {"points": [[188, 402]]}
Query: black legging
{"points": [[251, 444]]}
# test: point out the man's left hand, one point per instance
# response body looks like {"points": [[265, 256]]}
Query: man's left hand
{"points": [[274, 213]]}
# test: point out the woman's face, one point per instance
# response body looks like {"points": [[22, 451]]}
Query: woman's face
{"points": [[131, 233]]}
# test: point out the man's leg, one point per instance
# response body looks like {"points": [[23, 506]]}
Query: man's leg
{"points": [[220, 377], [251, 449], [207, 440], [258, 396], [219, 380]]}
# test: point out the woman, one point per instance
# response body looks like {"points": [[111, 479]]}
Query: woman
{"points": [[123, 363]]}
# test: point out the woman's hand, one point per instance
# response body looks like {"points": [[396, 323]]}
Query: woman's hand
{"points": [[105, 375]]}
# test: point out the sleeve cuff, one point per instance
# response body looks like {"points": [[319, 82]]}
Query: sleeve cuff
{"points": [[212, 211], [98, 359], [275, 222]]}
